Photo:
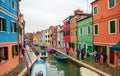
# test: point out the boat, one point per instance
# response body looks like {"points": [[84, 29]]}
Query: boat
{"points": [[60, 56], [86, 72], [43, 56], [39, 69]]}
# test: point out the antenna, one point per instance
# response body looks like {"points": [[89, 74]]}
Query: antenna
{"points": [[87, 5]]}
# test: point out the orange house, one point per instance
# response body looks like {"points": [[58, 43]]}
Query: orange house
{"points": [[78, 14], [106, 28]]}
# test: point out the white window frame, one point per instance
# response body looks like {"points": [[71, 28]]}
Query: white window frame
{"points": [[93, 9], [109, 26], [94, 29], [111, 7]]}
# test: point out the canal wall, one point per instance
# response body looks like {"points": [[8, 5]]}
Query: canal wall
{"points": [[80, 63]]}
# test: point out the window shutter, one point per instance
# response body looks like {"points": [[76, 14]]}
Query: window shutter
{"points": [[15, 27], [111, 3], [112, 27], [96, 29], [6, 53], [4, 24]]}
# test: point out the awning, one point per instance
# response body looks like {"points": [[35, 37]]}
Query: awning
{"points": [[116, 47]]}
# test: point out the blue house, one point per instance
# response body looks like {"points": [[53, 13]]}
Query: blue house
{"points": [[8, 34]]}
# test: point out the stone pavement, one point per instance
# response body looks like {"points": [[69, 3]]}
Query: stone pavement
{"points": [[105, 68], [20, 69]]}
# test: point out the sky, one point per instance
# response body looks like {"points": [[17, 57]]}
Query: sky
{"points": [[40, 14]]}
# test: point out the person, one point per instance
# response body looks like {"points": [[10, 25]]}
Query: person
{"points": [[67, 50], [78, 52], [82, 54], [98, 57], [105, 58], [94, 55], [88, 53]]}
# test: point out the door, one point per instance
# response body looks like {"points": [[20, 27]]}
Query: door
{"points": [[112, 56]]}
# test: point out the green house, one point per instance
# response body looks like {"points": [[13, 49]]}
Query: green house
{"points": [[85, 37]]}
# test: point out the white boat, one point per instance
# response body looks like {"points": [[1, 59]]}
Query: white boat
{"points": [[86, 72], [39, 69]]}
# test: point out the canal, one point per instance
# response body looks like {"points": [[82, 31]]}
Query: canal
{"points": [[60, 68]]}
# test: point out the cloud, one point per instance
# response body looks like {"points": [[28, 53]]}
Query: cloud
{"points": [[40, 14]]}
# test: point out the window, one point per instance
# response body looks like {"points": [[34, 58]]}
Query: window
{"points": [[2, 24], [14, 50], [13, 4], [14, 27], [112, 27], [3, 54], [95, 29], [95, 10], [111, 3], [80, 31], [88, 30]]}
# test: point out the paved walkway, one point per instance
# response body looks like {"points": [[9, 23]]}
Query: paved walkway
{"points": [[105, 68], [20, 69]]}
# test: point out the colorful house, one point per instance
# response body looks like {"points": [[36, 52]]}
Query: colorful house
{"points": [[61, 38], [84, 34], [66, 31], [43, 37], [38, 34], [9, 54], [54, 36], [46, 33], [106, 25], [78, 14], [50, 35], [35, 39], [58, 35]]}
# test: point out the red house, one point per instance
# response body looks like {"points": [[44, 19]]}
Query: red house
{"points": [[66, 31]]}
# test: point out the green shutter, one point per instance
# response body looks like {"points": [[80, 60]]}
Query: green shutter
{"points": [[95, 10], [111, 3], [4, 24], [96, 29], [112, 27]]}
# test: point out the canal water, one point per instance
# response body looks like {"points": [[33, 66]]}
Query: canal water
{"points": [[61, 68]]}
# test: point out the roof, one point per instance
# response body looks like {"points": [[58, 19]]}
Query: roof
{"points": [[115, 47], [84, 18], [94, 1]]}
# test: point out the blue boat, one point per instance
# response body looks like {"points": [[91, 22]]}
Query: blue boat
{"points": [[60, 56], [39, 69]]}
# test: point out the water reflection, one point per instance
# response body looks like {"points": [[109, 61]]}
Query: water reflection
{"points": [[61, 68]]}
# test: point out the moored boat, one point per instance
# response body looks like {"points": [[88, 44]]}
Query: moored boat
{"points": [[39, 69], [60, 56]]}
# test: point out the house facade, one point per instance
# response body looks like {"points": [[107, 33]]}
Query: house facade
{"points": [[84, 34], [61, 38], [58, 35], [106, 26], [66, 31], [9, 53]]}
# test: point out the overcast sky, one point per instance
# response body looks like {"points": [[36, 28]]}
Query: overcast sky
{"points": [[40, 14]]}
